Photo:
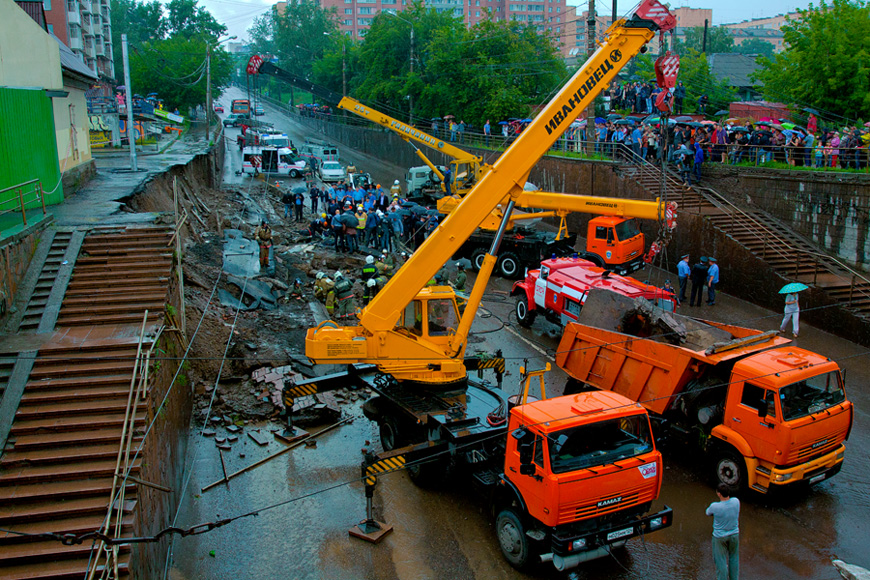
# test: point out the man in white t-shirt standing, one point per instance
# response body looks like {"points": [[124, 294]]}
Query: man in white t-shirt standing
{"points": [[726, 534]]}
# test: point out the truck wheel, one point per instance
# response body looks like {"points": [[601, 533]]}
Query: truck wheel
{"points": [[525, 316], [477, 259], [594, 258], [428, 475], [390, 436], [509, 266], [512, 539], [294, 173], [730, 468]]}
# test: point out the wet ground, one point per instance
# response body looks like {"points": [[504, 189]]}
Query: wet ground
{"points": [[446, 534]]}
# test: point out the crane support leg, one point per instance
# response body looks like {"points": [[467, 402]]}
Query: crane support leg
{"points": [[370, 529]]}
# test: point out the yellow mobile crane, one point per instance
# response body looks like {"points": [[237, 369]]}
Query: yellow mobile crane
{"points": [[418, 336]]}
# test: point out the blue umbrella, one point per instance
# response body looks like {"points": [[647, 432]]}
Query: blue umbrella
{"points": [[599, 119], [526, 121], [503, 123], [793, 288]]}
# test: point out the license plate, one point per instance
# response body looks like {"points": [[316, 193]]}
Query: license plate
{"points": [[620, 534], [818, 478]]}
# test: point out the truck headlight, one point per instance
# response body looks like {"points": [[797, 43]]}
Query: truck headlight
{"points": [[578, 544], [655, 523], [783, 477], [841, 454]]}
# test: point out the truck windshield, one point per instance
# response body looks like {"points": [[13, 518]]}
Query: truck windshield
{"points": [[599, 443], [811, 395], [626, 230]]}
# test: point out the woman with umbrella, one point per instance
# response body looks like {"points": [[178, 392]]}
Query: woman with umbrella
{"points": [[792, 307]]}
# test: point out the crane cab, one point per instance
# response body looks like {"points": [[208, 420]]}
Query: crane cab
{"points": [[433, 315]]}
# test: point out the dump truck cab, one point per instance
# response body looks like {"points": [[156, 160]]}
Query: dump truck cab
{"points": [[786, 412], [615, 243], [585, 469]]}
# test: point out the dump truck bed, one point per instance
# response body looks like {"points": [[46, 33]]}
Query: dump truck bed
{"points": [[644, 364]]}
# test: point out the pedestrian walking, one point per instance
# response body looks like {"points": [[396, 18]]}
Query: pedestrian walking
{"points": [[792, 307], [683, 271], [314, 196], [712, 281], [699, 279], [487, 131], [726, 534], [699, 161]]}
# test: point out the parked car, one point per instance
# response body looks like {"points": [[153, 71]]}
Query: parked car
{"points": [[258, 110], [218, 109], [235, 119], [332, 172]]}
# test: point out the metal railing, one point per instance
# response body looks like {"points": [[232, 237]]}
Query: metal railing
{"points": [[28, 193]]}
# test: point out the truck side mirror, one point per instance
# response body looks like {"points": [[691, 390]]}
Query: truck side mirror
{"points": [[761, 408]]}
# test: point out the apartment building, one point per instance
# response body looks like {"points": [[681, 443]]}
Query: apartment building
{"points": [[85, 26], [355, 16]]}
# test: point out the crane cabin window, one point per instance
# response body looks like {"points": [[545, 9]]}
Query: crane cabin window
{"points": [[442, 316]]}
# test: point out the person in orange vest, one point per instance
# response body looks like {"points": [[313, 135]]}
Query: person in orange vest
{"points": [[263, 236]]}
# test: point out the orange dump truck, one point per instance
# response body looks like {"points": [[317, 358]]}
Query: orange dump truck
{"points": [[768, 414]]}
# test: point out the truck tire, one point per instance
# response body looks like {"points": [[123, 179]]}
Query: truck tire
{"points": [[594, 258], [428, 475], [512, 539], [477, 259], [525, 316], [509, 266], [391, 437], [729, 468]]}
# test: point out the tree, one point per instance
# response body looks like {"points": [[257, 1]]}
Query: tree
{"points": [[719, 39], [696, 77], [825, 63], [187, 19], [175, 69], [140, 21], [755, 46]]}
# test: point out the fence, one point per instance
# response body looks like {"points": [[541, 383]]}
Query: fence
{"points": [[25, 195]]}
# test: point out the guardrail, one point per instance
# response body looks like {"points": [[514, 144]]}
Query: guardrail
{"points": [[28, 192]]}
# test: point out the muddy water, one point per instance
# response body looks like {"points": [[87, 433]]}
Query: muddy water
{"points": [[446, 534]]}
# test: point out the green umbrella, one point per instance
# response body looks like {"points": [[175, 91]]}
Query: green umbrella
{"points": [[788, 125], [793, 288]]}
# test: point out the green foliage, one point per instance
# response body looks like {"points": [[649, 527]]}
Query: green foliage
{"points": [[719, 39], [187, 19], [175, 68], [140, 21], [825, 63], [170, 310], [696, 77], [757, 46], [491, 71]]}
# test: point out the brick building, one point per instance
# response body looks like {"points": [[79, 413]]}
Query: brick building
{"points": [[85, 26]]}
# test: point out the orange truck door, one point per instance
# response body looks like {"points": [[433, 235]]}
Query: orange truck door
{"points": [[742, 414]]}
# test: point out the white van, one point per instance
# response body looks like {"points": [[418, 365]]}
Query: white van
{"points": [[272, 160]]}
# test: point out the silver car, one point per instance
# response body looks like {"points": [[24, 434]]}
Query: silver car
{"points": [[332, 171]]}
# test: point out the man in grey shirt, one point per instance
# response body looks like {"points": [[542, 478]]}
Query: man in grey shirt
{"points": [[726, 534]]}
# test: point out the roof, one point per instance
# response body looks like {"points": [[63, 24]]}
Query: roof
{"points": [[557, 413], [35, 10], [734, 68], [72, 63]]}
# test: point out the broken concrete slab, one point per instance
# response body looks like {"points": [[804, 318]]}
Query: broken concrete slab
{"points": [[233, 428], [257, 290], [241, 256], [258, 438], [231, 301]]}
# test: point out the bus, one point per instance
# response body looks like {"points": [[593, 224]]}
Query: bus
{"points": [[241, 107]]}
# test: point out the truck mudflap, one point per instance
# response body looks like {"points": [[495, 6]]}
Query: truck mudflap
{"points": [[571, 550]]}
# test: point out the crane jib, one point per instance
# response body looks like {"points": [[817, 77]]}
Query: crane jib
{"points": [[584, 90], [399, 126]]}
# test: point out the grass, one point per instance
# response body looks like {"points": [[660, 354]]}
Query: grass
{"points": [[787, 167]]}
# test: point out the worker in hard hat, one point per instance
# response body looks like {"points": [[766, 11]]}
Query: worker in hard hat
{"points": [[344, 296], [461, 277], [396, 189], [322, 286], [370, 270]]}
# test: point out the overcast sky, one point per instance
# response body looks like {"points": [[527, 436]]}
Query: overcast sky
{"points": [[238, 15]]}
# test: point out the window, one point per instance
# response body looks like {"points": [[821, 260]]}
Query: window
{"points": [[811, 396], [599, 443], [412, 318], [365, 10], [362, 32], [442, 316], [603, 233], [458, 12], [348, 22], [348, 10], [364, 21], [516, 7], [558, 29], [51, 28], [627, 230], [549, 9], [536, 8], [46, 4], [756, 398], [477, 13], [388, 2], [539, 451]]}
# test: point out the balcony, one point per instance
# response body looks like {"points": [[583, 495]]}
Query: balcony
{"points": [[74, 18], [100, 49], [87, 7], [76, 43]]}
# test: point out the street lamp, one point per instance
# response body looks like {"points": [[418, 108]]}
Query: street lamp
{"points": [[410, 97], [208, 106]]}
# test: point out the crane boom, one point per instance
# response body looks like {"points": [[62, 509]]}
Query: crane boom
{"points": [[404, 329]]}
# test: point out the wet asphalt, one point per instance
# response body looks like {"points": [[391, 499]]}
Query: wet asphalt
{"points": [[448, 534]]}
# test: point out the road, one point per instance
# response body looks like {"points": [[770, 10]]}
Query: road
{"points": [[445, 534]]}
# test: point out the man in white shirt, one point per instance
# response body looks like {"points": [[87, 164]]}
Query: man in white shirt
{"points": [[726, 534]]}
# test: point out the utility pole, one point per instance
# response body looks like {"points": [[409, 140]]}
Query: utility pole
{"points": [[704, 45], [411, 97], [131, 130], [343, 67], [614, 13], [208, 108], [590, 50]]}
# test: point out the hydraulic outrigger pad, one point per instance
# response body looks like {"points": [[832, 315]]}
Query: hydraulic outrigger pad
{"points": [[370, 529]]}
